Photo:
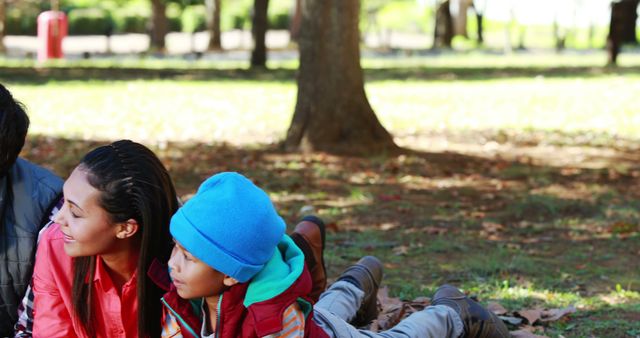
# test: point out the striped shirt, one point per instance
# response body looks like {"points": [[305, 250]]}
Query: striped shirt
{"points": [[292, 325]]}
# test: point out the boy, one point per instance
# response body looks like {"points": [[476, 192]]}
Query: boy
{"points": [[232, 253]]}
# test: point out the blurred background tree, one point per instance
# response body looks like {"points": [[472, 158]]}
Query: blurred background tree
{"points": [[332, 111]]}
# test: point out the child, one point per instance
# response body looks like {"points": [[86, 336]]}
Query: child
{"points": [[91, 277], [231, 253]]}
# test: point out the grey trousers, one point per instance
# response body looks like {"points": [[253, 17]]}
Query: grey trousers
{"points": [[339, 304]]}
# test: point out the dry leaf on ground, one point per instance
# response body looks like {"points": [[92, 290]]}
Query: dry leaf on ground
{"points": [[555, 314], [496, 308], [531, 315]]}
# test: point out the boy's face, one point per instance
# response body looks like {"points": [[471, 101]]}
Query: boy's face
{"points": [[193, 278]]}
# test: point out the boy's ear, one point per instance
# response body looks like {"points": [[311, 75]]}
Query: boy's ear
{"points": [[127, 229], [229, 281]]}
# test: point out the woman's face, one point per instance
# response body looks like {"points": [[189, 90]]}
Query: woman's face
{"points": [[86, 226]]}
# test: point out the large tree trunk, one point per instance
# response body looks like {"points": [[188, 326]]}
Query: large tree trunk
{"points": [[213, 24], [159, 25], [332, 111], [460, 21], [259, 30], [443, 32], [296, 20], [630, 17], [3, 24], [622, 27]]}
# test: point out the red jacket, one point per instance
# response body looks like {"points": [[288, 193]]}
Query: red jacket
{"points": [[235, 320]]}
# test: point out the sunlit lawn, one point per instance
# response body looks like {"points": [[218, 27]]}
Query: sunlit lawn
{"points": [[242, 112]]}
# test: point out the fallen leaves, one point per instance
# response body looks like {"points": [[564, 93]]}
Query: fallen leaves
{"points": [[528, 322], [393, 310], [624, 228], [496, 308], [556, 314], [492, 231]]}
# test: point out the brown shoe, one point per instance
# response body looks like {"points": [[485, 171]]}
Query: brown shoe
{"points": [[478, 321], [309, 236], [366, 274]]}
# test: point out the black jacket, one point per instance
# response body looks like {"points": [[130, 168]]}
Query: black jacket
{"points": [[27, 195]]}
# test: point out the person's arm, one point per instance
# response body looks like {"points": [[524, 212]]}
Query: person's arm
{"points": [[292, 323], [24, 327], [51, 278]]}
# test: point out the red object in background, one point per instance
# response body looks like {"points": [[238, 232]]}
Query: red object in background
{"points": [[52, 28]]}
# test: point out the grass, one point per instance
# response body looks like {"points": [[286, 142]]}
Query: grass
{"points": [[525, 192], [247, 112], [471, 59]]}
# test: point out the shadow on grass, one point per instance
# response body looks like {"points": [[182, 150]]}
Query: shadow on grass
{"points": [[431, 217]]}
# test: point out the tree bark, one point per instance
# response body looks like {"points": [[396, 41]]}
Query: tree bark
{"points": [[213, 25], [296, 20], [460, 22], [443, 33], [480, 21], [332, 112], [159, 25], [259, 29], [622, 27], [3, 24], [630, 14]]}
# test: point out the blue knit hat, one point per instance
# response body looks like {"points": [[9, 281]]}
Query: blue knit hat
{"points": [[230, 224]]}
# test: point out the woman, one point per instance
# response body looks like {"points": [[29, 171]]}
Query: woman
{"points": [[91, 277]]}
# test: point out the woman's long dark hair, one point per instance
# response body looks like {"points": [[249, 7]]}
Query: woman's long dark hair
{"points": [[133, 184]]}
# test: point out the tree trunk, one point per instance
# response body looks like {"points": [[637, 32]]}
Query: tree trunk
{"points": [[508, 28], [159, 25], [3, 24], [296, 20], [332, 111], [630, 14], [259, 30], [213, 25], [443, 33], [480, 19], [622, 27], [460, 22]]}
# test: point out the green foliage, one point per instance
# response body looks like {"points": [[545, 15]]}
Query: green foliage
{"points": [[403, 16], [279, 21], [129, 21], [194, 18], [279, 14], [89, 21], [21, 21], [236, 14], [174, 12]]}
